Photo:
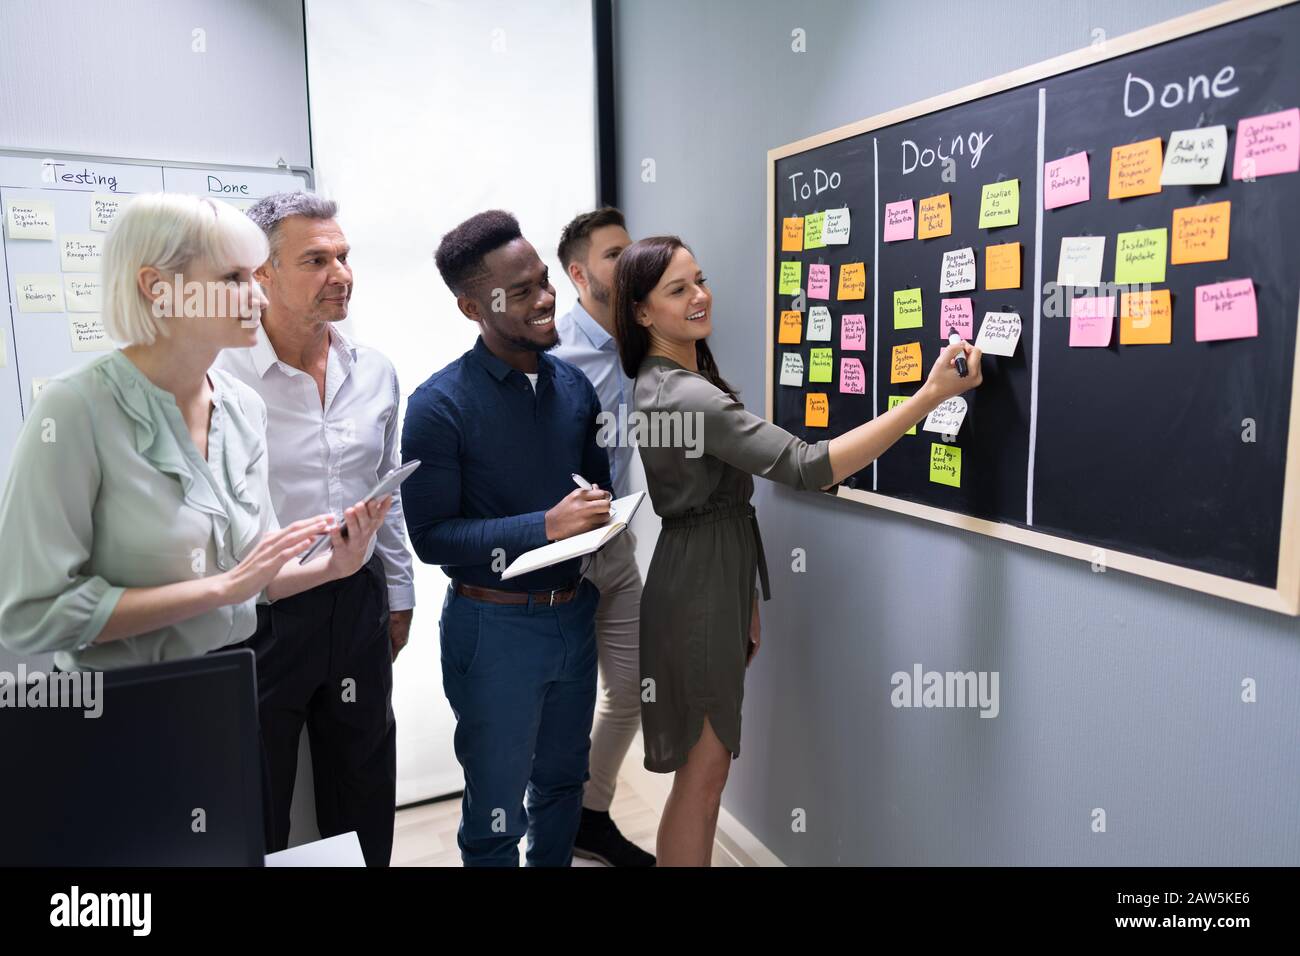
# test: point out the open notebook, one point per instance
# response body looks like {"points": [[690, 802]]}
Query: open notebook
{"points": [[621, 511]]}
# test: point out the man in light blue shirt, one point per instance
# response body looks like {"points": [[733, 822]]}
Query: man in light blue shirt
{"points": [[589, 247]]}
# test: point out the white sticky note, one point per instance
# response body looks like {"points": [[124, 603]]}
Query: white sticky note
{"points": [[1080, 262], [87, 333], [835, 230], [30, 219], [958, 271], [39, 293], [81, 253], [1195, 157], [819, 324], [947, 418], [83, 293], [103, 207], [999, 333], [792, 369]]}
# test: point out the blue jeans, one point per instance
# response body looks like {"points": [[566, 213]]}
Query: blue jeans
{"points": [[521, 680]]}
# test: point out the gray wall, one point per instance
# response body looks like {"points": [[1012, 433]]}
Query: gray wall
{"points": [[1116, 692]]}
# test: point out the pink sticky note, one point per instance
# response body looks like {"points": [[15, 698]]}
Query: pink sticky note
{"points": [[853, 332], [1226, 310], [853, 379], [1091, 320], [1065, 181], [900, 220], [1267, 145], [819, 281], [957, 314]]}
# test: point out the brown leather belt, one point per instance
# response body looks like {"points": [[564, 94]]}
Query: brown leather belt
{"points": [[493, 596]]}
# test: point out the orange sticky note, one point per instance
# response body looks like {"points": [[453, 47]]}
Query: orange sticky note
{"points": [[1200, 233], [1145, 318], [853, 281], [791, 328], [934, 217], [1002, 266], [1135, 169], [905, 363], [792, 235], [817, 410]]}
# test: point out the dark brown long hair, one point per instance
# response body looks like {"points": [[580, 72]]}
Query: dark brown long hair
{"points": [[640, 267]]}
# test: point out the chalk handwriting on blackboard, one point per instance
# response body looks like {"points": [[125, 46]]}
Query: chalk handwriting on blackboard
{"points": [[972, 145], [1136, 90], [822, 181]]}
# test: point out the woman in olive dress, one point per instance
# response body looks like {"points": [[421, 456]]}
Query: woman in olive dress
{"points": [[699, 608]]}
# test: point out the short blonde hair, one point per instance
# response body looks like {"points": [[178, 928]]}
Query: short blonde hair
{"points": [[171, 232]]}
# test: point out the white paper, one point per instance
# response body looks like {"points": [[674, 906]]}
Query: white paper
{"points": [[835, 230], [31, 219], [1195, 157], [87, 334], [999, 333], [947, 418], [39, 293], [819, 324], [83, 293], [958, 271], [792, 369], [82, 253], [1080, 262], [103, 207]]}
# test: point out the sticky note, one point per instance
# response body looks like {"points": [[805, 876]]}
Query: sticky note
{"points": [[791, 275], [820, 365], [999, 333], [1000, 204], [1145, 318], [935, 214], [957, 315], [1066, 181], [853, 380], [1195, 156], [812, 230], [853, 333], [1200, 233], [1080, 260], [905, 363], [792, 234], [835, 230], [81, 253], [1140, 256], [947, 417], [792, 369], [791, 330], [87, 334], [957, 274], [1091, 320], [1135, 169], [900, 221], [1267, 145], [853, 281], [39, 293], [31, 219], [1226, 310], [817, 410], [819, 281], [103, 207], [907, 308], [899, 400], [1002, 266], [945, 464], [819, 324], [82, 293]]}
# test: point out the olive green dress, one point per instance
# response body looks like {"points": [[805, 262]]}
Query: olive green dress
{"points": [[699, 593]]}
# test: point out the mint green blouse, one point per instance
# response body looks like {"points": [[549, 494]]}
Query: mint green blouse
{"points": [[107, 491]]}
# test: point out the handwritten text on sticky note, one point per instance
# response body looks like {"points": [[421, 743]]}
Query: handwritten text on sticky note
{"points": [[817, 410], [907, 308], [1145, 318], [1002, 266], [1267, 145], [999, 333], [945, 464], [1135, 169], [899, 220], [853, 333], [819, 281], [853, 281], [1226, 310], [853, 380], [905, 363], [820, 365], [1092, 319], [1066, 181], [1140, 256], [935, 214], [1000, 204], [957, 274], [956, 315], [1200, 233], [1195, 156]]}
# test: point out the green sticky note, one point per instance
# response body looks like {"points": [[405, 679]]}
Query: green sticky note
{"points": [[819, 365], [907, 308], [945, 464], [812, 230], [791, 274], [899, 400], [1000, 204], [1140, 256]]}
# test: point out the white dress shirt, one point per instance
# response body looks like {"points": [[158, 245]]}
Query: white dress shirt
{"points": [[325, 459]]}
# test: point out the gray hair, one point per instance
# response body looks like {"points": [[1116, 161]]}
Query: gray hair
{"points": [[269, 211]]}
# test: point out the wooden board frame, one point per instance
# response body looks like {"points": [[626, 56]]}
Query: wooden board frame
{"points": [[1285, 597]]}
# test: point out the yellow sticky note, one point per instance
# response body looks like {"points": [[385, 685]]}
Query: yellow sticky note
{"points": [[899, 400], [82, 253], [791, 329], [945, 464], [39, 293], [812, 230], [792, 234], [1145, 318], [853, 281], [791, 274], [87, 334], [905, 363], [1002, 266], [103, 209], [1200, 233], [935, 215], [31, 219], [1000, 204], [1135, 169], [817, 410]]}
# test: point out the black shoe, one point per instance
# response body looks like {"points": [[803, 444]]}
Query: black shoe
{"points": [[598, 839]]}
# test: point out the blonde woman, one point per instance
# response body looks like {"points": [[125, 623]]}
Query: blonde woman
{"points": [[136, 518]]}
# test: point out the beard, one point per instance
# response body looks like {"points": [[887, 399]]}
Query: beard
{"points": [[528, 345], [601, 293]]}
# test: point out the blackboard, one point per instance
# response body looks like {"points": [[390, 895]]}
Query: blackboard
{"points": [[1168, 460]]}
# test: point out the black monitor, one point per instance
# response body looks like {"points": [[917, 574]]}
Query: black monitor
{"points": [[169, 773]]}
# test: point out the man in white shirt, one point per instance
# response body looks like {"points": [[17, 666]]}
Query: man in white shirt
{"points": [[324, 657]]}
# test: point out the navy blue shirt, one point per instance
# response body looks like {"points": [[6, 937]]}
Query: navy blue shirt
{"points": [[495, 458]]}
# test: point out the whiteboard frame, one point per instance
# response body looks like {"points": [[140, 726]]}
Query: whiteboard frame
{"points": [[23, 153], [1285, 597]]}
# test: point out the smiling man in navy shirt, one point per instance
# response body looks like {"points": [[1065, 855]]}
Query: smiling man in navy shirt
{"points": [[500, 431]]}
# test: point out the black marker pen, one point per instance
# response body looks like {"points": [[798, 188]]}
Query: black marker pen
{"points": [[953, 339]]}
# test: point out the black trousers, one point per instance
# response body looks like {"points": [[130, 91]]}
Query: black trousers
{"points": [[324, 661]]}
